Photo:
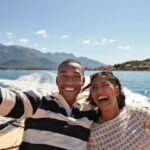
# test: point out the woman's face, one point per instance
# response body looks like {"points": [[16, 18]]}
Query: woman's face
{"points": [[104, 93]]}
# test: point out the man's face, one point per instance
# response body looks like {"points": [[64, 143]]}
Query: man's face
{"points": [[70, 79]]}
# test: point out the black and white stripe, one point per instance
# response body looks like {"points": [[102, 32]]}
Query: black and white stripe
{"points": [[31, 146], [58, 126], [49, 124], [17, 104]]}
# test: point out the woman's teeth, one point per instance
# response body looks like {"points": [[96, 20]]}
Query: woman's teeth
{"points": [[103, 98]]}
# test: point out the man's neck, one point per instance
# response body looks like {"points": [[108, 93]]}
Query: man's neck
{"points": [[70, 102]]}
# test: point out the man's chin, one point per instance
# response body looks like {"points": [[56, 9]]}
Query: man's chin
{"points": [[70, 96]]}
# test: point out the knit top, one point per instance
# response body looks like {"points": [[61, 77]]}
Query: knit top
{"points": [[128, 131]]}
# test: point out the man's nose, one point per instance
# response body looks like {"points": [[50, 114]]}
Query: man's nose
{"points": [[69, 80]]}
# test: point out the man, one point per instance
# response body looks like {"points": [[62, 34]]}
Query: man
{"points": [[56, 121]]}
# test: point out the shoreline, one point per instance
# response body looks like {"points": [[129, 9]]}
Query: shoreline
{"points": [[85, 69]]}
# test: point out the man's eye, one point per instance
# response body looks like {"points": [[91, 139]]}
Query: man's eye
{"points": [[76, 78], [63, 76]]}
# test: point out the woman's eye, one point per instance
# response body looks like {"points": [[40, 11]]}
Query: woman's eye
{"points": [[101, 87], [76, 77], [105, 85]]}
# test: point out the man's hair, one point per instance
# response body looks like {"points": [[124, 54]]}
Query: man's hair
{"points": [[67, 61]]}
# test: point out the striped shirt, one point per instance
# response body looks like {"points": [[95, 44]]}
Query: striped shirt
{"points": [[50, 122], [130, 130]]}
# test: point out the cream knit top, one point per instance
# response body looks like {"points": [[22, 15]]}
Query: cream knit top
{"points": [[128, 131]]}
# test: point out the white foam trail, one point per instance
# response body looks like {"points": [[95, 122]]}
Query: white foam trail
{"points": [[147, 92], [33, 81], [87, 80], [132, 98], [28, 82], [136, 98]]}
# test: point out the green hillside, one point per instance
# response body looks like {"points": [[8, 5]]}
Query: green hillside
{"points": [[134, 65]]}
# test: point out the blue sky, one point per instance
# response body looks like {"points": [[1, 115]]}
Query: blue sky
{"points": [[110, 31]]}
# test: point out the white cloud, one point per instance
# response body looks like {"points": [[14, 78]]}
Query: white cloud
{"points": [[95, 43], [111, 41], [35, 45], [127, 47], [10, 43], [86, 41], [43, 33], [23, 41], [120, 47], [44, 49], [64, 36], [9, 35], [124, 47], [104, 41], [107, 41]]}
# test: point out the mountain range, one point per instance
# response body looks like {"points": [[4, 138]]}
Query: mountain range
{"points": [[19, 57]]}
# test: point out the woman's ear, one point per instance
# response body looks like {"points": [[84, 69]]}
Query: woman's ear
{"points": [[117, 90], [83, 81]]}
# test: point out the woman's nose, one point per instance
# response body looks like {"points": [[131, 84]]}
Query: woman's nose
{"points": [[99, 90]]}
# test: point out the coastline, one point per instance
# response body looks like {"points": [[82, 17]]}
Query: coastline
{"points": [[86, 68]]}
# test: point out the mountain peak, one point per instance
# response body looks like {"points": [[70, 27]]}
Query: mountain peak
{"points": [[19, 57]]}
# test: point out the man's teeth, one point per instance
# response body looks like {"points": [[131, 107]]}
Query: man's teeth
{"points": [[69, 89]]}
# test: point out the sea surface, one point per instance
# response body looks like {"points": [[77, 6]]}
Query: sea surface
{"points": [[136, 84]]}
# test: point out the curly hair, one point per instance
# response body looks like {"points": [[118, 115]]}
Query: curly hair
{"points": [[114, 80]]}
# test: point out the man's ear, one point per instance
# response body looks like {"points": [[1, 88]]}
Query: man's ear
{"points": [[57, 80]]}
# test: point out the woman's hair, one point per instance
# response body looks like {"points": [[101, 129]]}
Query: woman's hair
{"points": [[114, 80]]}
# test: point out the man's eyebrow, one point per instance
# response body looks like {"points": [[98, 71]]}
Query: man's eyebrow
{"points": [[76, 72], [62, 71]]}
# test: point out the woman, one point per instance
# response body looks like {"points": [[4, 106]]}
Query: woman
{"points": [[119, 127]]}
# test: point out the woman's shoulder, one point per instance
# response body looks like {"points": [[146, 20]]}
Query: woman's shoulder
{"points": [[138, 109]]}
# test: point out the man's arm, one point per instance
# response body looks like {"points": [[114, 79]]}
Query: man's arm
{"points": [[19, 104]]}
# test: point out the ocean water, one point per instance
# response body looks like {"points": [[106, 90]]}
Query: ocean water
{"points": [[136, 84]]}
